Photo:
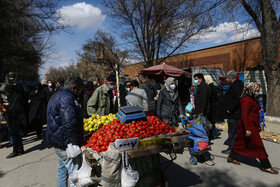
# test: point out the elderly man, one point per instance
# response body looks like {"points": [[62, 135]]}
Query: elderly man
{"points": [[232, 99], [65, 126], [101, 101]]}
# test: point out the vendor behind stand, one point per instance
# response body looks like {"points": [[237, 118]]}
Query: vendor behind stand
{"points": [[137, 96], [151, 92], [101, 101]]}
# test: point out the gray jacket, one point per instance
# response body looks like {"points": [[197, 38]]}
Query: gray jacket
{"points": [[137, 97]]}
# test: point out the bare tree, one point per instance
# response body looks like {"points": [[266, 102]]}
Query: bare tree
{"points": [[265, 15], [158, 28], [65, 72], [24, 31], [104, 53]]}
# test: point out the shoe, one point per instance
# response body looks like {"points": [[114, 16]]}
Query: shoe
{"points": [[21, 152], [230, 160], [271, 170], [227, 151], [12, 155]]}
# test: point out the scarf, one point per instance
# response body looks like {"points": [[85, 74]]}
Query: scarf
{"points": [[167, 84]]}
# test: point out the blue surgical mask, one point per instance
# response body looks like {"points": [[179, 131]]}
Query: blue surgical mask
{"points": [[172, 86], [228, 80], [196, 82], [111, 87]]}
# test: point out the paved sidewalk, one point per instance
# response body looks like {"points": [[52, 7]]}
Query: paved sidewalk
{"points": [[37, 167], [273, 127]]}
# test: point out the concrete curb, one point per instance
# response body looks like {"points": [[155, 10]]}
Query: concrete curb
{"points": [[272, 119]]}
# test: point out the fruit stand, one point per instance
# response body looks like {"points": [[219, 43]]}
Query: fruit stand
{"points": [[141, 140]]}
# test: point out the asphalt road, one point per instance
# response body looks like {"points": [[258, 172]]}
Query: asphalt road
{"points": [[38, 167]]}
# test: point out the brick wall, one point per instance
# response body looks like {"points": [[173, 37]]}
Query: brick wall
{"points": [[238, 56]]}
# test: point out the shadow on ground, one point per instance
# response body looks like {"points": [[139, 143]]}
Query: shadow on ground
{"points": [[179, 176], [41, 146], [1, 173]]}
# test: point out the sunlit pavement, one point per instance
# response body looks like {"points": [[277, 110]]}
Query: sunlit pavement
{"points": [[38, 167]]}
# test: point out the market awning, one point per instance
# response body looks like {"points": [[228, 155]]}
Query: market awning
{"points": [[164, 69]]}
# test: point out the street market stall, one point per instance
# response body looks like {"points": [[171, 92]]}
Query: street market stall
{"points": [[131, 144], [164, 70]]}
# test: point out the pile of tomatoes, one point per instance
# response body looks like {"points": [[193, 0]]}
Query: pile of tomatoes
{"points": [[100, 140]]}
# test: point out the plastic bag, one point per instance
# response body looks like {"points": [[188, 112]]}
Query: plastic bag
{"points": [[129, 177], [72, 151], [81, 177], [189, 108]]}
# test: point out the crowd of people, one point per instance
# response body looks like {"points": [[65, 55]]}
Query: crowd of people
{"points": [[63, 105]]}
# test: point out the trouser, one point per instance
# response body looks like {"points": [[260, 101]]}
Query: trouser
{"points": [[264, 162], [17, 143], [66, 167], [232, 132]]}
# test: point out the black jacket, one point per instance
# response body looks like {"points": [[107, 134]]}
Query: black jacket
{"points": [[83, 99], [232, 99], [16, 114], [184, 93], [212, 117], [151, 92], [169, 107], [37, 108], [202, 99]]}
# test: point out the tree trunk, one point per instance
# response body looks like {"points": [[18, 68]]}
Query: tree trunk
{"points": [[272, 73], [273, 92]]}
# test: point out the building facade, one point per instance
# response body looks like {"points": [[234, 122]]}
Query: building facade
{"points": [[239, 56]]}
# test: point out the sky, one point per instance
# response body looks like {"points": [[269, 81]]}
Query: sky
{"points": [[89, 16]]}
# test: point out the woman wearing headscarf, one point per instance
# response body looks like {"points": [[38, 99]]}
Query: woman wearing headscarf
{"points": [[169, 104], [248, 141]]}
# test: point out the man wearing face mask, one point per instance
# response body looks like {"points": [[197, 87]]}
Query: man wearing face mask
{"points": [[201, 99], [49, 90], [101, 101], [232, 107], [169, 104], [65, 126]]}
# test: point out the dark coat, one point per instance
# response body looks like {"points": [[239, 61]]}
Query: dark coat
{"points": [[151, 92], [232, 99], [202, 99], [16, 114], [169, 107], [85, 95], [212, 117], [250, 120], [37, 108], [184, 93], [48, 93], [64, 119], [123, 94]]}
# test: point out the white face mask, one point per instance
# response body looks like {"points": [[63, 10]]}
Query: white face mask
{"points": [[50, 84], [172, 86], [128, 89]]}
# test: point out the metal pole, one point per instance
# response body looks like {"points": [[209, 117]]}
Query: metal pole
{"points": [[118, 86]]}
